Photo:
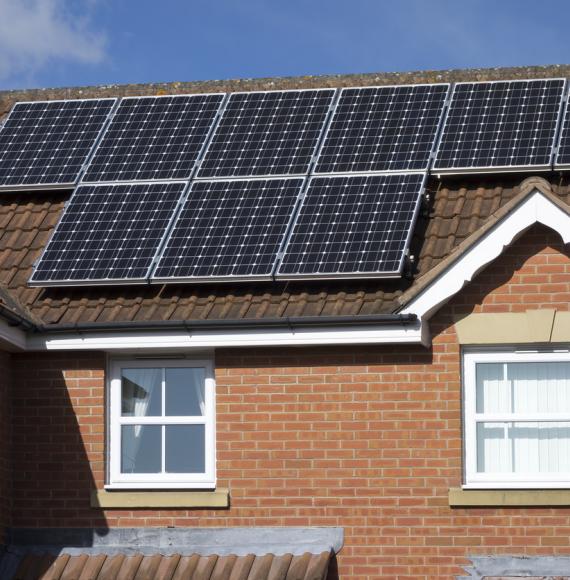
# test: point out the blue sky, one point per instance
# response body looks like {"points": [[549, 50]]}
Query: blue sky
{"points": [[52, 43]]}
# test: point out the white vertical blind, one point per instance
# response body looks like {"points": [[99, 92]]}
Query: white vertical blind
{"points": [[517, 389]]}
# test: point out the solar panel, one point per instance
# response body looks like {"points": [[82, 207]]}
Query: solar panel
{"points": [[46, 143], [229, 229], [505, 125], [267, 134], [154, 138], [563, 152], [351, 226], [108, 233], [383, 129]]}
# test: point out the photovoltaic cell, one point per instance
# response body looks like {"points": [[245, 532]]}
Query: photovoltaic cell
{"points": [[47, 143], [229, 229], [109, 232], [154, 138], [510, 124], [267, 134], [383, 129], [350, 226]]}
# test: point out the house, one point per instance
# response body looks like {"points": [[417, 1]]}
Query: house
{"points": [[413, 426]]}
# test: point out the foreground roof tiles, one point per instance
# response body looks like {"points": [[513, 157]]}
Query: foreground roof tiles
{"points": [[175, 567]]}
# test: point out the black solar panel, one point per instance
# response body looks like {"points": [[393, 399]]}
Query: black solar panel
{"points": [[47, 143], [509, 125], [563, 154], [154, 138], [383, 129], [350, 226], [229, 229], [265, 134], [109, 232]]}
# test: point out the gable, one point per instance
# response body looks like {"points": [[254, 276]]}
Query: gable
{"points": [[531, 207]]}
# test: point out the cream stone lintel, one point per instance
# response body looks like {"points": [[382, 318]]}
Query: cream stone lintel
{"points": [[508, 497], [532, 326], [160, 499]]}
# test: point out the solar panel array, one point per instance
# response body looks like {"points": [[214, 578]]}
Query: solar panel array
{"points": [[353, 225], [509, 125], [256, 186], [47, 143], [383, 129], [154, 138]]}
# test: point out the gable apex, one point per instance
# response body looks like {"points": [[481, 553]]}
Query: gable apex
{"points": [[536, 203]]}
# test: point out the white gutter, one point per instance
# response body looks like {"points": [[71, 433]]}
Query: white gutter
{"points": [[120, 340]]}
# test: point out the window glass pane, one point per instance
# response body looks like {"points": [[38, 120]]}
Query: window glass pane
{"points": [[523, 447], [529, 387], [141, 392], [492, 390], [185, 448], [185, 390], [141, 448], [540, 387]]}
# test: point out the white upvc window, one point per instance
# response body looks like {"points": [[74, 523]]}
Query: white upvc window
{"points": [[162, 424], [517, 419]]}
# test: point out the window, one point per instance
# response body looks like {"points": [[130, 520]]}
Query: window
{"points": [[517, 419], [162, 432]]}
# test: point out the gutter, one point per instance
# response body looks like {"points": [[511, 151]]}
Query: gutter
{"points": [[289, 323], [15, 319]]}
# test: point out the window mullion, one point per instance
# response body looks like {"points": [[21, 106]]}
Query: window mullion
{"points": [[163, 428]]}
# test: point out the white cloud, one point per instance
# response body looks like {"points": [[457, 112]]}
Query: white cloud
{"points": [[36, 33]]}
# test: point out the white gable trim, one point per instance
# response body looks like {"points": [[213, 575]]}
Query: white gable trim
{"points": [[536, 209]]}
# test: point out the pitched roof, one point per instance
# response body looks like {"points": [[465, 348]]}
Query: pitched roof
{"points": [[458, 207]]}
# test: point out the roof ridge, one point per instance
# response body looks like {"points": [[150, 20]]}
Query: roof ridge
{"points": [[8, 97]]}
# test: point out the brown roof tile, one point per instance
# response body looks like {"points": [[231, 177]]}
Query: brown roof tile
{"points": [[173, 567]]}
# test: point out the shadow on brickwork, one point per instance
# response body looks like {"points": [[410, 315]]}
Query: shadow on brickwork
{"points": [[57, 443]]}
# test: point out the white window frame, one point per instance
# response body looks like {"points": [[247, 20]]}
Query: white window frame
{"points": [[474, 480], [118, 480]]}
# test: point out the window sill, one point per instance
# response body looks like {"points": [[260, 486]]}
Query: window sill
{"points": [[160, 499], [508, 497]]}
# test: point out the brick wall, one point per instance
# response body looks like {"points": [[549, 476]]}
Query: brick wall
{"points": [[5, 444], [367, 438]]}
